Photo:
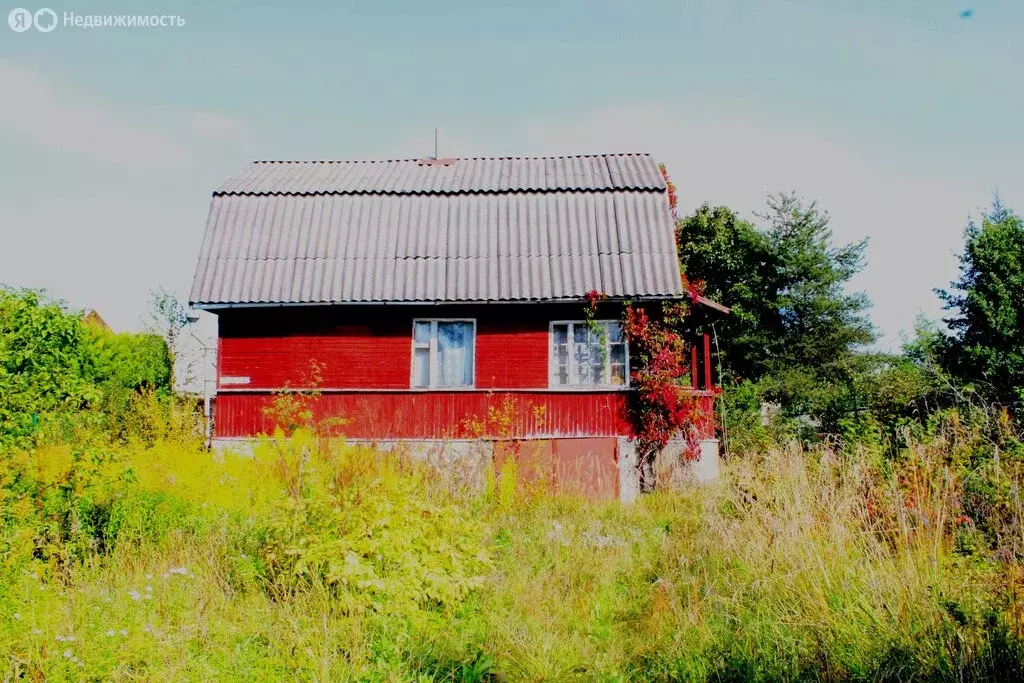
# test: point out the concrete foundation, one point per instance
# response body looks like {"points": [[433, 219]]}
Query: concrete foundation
{"points": [[461, 464], [464, 464], [629, 476], [674, 470]]}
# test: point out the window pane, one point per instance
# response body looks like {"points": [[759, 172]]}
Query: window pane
{"points": [[561, 363], [561, 355], [618, 374], [421, 332], [618, 354], [598, 356], [454, 354], [581, 353], [421, 368], [561, 334]]}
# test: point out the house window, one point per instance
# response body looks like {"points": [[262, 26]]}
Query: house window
{"points": [[442, 353], [589, 355]]}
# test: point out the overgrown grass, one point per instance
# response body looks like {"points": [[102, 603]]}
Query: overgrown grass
{"points": [[321, 561]]}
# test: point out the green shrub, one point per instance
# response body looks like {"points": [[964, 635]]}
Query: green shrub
{"points": [[58, 375], [360, 523]]}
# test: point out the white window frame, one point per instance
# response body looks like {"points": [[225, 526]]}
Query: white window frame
{"points": [[553, 363], [432, 345]]}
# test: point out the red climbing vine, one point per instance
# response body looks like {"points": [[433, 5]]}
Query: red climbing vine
{"points": [[673, 198], [593, 296], [663, 406], [663, 403], [695, 289]]}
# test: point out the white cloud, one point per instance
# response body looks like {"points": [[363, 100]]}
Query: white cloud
{"points": [[80, 220], [55, 115]]}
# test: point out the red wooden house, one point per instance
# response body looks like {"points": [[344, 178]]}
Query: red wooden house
{"points": [[441, 302]]}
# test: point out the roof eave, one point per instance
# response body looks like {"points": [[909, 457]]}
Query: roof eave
{"points": [[215, 306]]}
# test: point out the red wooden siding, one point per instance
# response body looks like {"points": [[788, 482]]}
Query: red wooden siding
{"points": [[371, 348], [512, 354], [451, 414], [373, 354], [364, 354], [441, 414]]}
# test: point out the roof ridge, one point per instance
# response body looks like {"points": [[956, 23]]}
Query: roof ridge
{"points": [[420, 193], [604, 155]]}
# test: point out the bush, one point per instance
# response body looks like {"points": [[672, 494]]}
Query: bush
{"points": [[360, 523], [57, 374]]}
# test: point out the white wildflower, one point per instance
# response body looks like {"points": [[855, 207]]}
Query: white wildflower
{"points": [[36, 632], [557, 534], [124, 632], [183, 571], [17, 616], [599, 540], [149, 589], [65, 639], [68, 654], [135, 595], [149, 577]]}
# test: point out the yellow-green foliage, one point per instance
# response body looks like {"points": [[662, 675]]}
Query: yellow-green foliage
{"points": [[311, 559], [360, 524]]}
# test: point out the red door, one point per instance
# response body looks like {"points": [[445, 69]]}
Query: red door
{"points": [[587, 467], [574, 467]]}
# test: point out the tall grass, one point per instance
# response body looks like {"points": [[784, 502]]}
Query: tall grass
{"points": [[317, 560]]}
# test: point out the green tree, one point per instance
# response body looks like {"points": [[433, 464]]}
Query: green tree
{"points": [[52, 365], [737, 267], [823, 326], [987, 301], [167, 318], [41, 363], [795, 328]]}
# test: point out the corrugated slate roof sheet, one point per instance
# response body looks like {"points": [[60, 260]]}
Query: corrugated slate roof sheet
{"points": [[474, 175], [476, 230]]}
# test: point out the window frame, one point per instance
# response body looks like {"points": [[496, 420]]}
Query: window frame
{"points": [[432, 356], [607, 385]]}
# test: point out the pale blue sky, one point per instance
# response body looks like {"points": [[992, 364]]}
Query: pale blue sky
{"points": [[899, 116]]}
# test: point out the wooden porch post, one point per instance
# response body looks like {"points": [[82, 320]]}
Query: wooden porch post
{"points": [[693, 365], [707, 361]]}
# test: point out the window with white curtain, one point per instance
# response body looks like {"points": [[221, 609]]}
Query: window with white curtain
{"points": [[442, 353], [585, 355]]}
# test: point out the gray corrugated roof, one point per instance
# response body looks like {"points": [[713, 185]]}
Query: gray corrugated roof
{"points": [[494, 230], [409, 176]]}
